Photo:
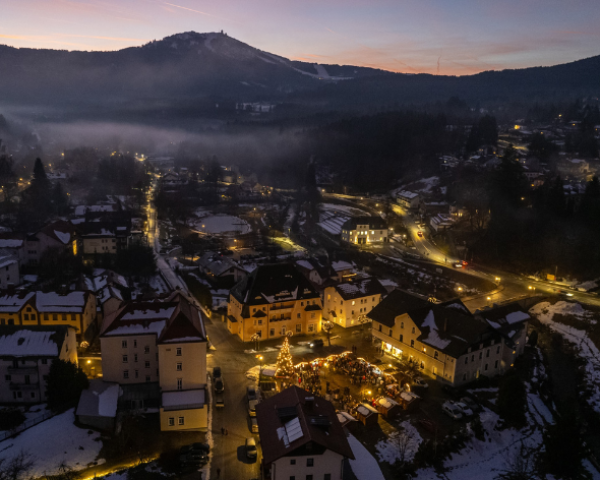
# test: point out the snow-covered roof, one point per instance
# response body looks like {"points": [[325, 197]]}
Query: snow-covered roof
{"points": [[99, 400], [12, 303], [11, 243], [406, 194], [34, 341], [73, 302], [338, 266], [183, 398], [156, 327], [433, 337], [7, 261]]}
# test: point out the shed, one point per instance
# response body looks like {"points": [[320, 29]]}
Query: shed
{"points": [[97, 405], [367, 415], [408, 399], [387, 406]]}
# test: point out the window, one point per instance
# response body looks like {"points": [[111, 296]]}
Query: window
{"points": [[401, 337], [147, 378], [498, 350], [125, 374], [401, 324], [171, 421], [293, 461], [486, 366], [301, 304], [309, 477], [64, 317], [260, 321], [487, 353], [380, 328], [146, 364], [135, 344], [124, 358], [146, 349], [472, 358], [413, 330], [181, 421], [7, 378], [435, 354], [391, 332], [496, 364], [26, 316], [136, 374], [179, 366], [180, 384], [178, 351], [272, 332], [464, 377], [412, 343], [327, 476], [310, 462], [33, 316], [353, 302], [466, 360], [32, 395], [54, 317], [124, 343], [44, 361], [311, 327], [298, 315], [298, 328], [480, 355]]}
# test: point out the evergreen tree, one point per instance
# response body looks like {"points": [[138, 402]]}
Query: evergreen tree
{"points": [[565, 448], [60, 201], [512, 400], [65, 383], [285, 367]]}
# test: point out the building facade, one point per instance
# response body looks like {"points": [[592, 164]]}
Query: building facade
{"points": [[272, 301], [164, 343], [301, 437], [445, 340], [364, 230], [26, 354], [347, 304]]}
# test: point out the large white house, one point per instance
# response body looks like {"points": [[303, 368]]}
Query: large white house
{"points": [[364, 230]]}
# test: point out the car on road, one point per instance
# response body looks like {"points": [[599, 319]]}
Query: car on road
{"points": [[219, 400], [316, 343], [452, 410], [250, 447], [219, 385], [252, 407], [254, 425], [418, 382], [420, 234], [251, 392], [216, 373], [193, 455]]}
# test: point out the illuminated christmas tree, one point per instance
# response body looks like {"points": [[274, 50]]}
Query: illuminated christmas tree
{"points": [[285, 367]]}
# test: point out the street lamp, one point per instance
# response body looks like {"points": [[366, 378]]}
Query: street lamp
{"points": [[260, 360]]}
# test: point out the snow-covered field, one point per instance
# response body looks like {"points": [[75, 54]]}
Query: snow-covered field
{"points": [[221, 224], [54, 441], [400, 444], [587, 350], [364, 465]]}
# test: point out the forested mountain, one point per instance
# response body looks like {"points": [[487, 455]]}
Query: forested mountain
{"points": [[192, 68]]}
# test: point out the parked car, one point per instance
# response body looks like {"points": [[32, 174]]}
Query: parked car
{"points": [[202, 447], [452, 410], [219, 400], [251, 392], [420, 234], [316, 343], [216, 373], [252, 407], [451, 390], [469, 402], [254, 425], [192, 455], [418, 382], [219, 385], [467, 412], [251, 448]]}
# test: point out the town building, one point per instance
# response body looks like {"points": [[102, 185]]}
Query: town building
{"points": [[363, 230], [75, 309], [98, 404], [408, 199], [445, 340], [321, 272], [220, 270], [156, 352], [59, 235], [103, 237], [9, 271], [271, 301], [347, 304], [26, 354], [301, 437], [441, 222]]}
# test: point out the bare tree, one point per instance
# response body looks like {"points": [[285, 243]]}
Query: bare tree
{"points": [[255, 338], [65, 472], [17, 467], [522, 466], [363, 320], [403, 442]]}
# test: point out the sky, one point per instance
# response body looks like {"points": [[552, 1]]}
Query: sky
{"points": [[449, 37]]}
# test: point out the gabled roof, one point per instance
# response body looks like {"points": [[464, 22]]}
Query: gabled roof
{"points": [[13, 302], [216, 264], [33, 341], [360, 287], [61, 231], [272, 284], [375, 223], [506, 319], [74, 302], [294, 420], [175, 320], [396, 303]]}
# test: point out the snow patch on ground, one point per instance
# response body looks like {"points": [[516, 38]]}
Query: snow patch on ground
{"points": [[407, 441], [221, 224], [588, 351], [77, 447]]}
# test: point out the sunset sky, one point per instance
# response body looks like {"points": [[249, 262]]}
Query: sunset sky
{"points": [[454, 37]]}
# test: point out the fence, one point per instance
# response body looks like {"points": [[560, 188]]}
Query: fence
{"points": [[27, 424]]}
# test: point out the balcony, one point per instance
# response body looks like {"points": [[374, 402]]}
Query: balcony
{"points": [[23, 370], [277, 319]]}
